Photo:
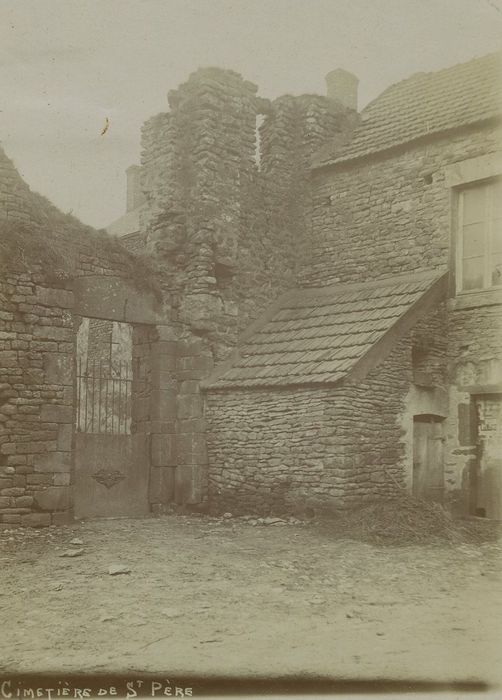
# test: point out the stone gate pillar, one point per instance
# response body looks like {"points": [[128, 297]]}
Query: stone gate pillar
{"points": [[163, 357]]}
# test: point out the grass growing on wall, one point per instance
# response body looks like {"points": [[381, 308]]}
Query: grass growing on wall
{"points": [[55, 244]]}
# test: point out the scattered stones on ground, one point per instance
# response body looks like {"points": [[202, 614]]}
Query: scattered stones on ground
{"points": [[76, 541], [117, 569], [317, 600], [72, 553], [107, 618]]}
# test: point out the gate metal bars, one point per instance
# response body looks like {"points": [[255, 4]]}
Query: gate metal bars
{"points": [[104, 396]]}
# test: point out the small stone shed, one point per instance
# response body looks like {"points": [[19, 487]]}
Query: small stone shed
{"points": [[308, 412]]}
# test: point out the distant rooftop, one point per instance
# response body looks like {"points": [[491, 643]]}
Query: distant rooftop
{"points": [[425, 104]]}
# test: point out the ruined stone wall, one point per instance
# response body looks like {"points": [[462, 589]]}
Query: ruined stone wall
{"points": [[36, 401], [230, 225], [227, 217], [42, 254]]}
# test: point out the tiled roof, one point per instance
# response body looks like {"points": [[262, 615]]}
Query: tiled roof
{"points": [[318, 336], [424, 104]]}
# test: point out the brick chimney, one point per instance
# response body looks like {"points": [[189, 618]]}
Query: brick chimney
{"points": [[342, 87], [135, 197]]}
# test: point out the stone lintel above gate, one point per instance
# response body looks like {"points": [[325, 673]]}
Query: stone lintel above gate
{"points": [[114, 299]]}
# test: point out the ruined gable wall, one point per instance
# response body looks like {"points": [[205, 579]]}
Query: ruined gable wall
{"points": [[230, 231]]}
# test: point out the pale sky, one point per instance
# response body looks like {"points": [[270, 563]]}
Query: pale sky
{"points": [[66, 65]]}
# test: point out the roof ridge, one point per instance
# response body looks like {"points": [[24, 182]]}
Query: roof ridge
{"points": [[421, 105], [305, 338], [426, 275], [430, 73]]}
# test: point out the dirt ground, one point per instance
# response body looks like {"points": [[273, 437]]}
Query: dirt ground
{"points": [[224, 597]]}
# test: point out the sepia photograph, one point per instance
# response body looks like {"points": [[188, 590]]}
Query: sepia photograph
{"points": [[250, 348]]}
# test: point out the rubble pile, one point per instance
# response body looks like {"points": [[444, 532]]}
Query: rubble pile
{"points": [[410, 520]]}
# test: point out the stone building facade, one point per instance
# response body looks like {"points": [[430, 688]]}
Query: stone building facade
{"points": [[416, 189], [281, 308]]}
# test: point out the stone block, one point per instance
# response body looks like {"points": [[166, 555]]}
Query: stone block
{"points": [[39, 479], [4, 501], [191, 425], [61, 298], [62, 518], [190, 406], [58, 368], [53, 498], [166, 332], [112, 298], [189, 484], [55, 333], [24, 501], [163, 405], [163, 450], [52, 413], [61, 479], [164, 363], [141, 408], [65, 436], [36, 519], [190, 386], [191, 449], [201, 310], [53, 462], [161, 489], [14, 491], [13, 519]]}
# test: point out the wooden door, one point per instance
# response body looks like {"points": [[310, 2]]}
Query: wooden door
{"points": [[428, 455]]}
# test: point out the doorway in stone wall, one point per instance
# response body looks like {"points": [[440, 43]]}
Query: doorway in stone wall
{"points": [[488, 473], [111, 464], [428, 457]]}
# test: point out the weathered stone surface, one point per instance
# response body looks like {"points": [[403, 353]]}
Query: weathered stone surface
{"points": [[53, 498], [52, 413], [72, 553], [59, 368], [36, 519], [163, 450], [65, 436], [45, 296], [114, 299], [161, 488], [53, 462], [190, 484], [118, 569]]}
